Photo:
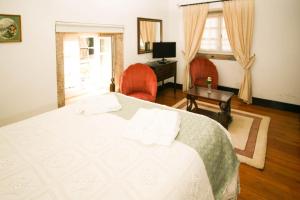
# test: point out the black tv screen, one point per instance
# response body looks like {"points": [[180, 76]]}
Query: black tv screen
{"points": [[164, 49]]}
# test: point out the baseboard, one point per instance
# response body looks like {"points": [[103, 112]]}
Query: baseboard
{"points": [[170, 85], [255, 101], [265, 102], [276, 104], [234, 90]]}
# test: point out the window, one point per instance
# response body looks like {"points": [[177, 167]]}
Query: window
{"points": [[215, 40]]}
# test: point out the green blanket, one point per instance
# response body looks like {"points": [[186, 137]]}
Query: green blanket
{"points": [[202, 134]]}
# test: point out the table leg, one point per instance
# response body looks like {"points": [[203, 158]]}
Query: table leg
{"points": [[175, 82], [191, 100], [189, 103], [225, 115]]}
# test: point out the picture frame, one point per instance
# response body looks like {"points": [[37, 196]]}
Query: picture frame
{"points": [[10, 28]]}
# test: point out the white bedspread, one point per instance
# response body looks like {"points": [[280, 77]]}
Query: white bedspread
{"points": [[63, 156]]}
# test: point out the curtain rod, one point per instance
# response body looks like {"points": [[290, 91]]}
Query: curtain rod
{"points": [[203, 3]]}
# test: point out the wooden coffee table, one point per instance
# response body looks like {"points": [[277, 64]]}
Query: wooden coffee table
{"points": [[222, 97]]}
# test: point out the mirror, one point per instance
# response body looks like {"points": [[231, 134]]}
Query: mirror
{"points": [[148, 31]]}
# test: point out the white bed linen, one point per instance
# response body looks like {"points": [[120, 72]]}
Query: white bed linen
{"points": [[61, 155], [153, 126], [98, 104]]}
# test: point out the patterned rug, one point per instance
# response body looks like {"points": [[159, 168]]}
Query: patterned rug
{"points": [[248, 133]]}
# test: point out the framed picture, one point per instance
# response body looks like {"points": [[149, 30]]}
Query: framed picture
{"points": [[10, 28]]}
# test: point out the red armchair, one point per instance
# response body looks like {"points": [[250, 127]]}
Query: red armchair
{"points": [[139, 81], [200, 69]]}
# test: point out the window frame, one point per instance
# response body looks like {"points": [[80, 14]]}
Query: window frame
{"points": [[219, 54]]}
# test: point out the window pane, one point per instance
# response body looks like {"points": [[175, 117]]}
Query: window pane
{"points": [[223, 22], [209, 45], [211, 22], [226, 45], [224, 34], [210, 35], [215, 36], [225, 42]]}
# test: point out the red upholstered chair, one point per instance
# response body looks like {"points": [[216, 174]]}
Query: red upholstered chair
{"points": [[200, 69], [139, 81]]}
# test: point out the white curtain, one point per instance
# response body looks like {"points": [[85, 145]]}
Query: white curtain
{"points": [[194, 18], [239, 20]]}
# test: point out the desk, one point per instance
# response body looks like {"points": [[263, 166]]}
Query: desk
{"points": [[164, 70]]}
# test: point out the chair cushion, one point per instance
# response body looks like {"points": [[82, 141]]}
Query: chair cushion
{"points": [[142, 95], [200, 82], [139, 80], [200, 69]]}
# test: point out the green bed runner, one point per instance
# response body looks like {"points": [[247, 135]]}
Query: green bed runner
{"points": [[202, 134]]}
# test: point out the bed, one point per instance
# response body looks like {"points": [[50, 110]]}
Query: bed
{"points": [[62, 155]]}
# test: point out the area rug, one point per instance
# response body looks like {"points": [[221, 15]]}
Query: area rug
{"points": [[248, 133]]}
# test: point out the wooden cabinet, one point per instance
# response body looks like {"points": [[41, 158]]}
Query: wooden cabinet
{"points": [[164, 70]]}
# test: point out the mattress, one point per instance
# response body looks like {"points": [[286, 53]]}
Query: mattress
{"points": [[62, 155]]}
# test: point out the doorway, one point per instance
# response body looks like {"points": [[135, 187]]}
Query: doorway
{"points": [[87, 65]]}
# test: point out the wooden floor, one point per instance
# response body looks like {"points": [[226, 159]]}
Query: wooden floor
{"points": [[280, 178]]}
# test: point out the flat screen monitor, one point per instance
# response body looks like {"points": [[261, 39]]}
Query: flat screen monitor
{"points": [[164, 50]]}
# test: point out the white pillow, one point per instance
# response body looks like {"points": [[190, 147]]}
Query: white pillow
{"points": [[100, 104]]}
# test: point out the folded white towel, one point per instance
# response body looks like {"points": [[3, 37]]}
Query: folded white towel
{"points": [[99, 104], [154, 126]]}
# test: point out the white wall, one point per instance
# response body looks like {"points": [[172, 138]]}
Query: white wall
{"points": [[28, 69], [276, 46]]}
